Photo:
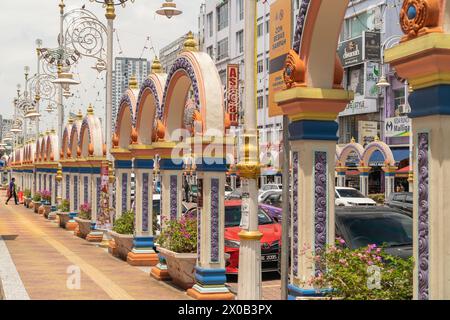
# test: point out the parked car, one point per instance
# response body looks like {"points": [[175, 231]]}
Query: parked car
{"points": [[382, 226], [402, 201], [270, 186], [271, 197], [193, 190], [234, 195], [348, 197], [228, 190], [270, 241]]}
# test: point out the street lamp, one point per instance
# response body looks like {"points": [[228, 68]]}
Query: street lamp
{"points": [[65, 79], [169, 9]]}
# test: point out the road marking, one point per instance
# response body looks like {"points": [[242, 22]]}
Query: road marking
{"points": [[112, 289], [13, 288]]}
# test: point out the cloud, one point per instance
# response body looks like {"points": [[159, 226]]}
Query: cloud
{"points": [[23, 21]]}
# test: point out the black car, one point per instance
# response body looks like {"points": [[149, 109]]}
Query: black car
{"points": [[382, 226], [273, 198], [402, 201]]}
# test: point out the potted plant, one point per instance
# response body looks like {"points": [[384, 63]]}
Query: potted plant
{"points": [[36, 202], [122, 235], [27, 195], [63, 213], [46, 198], [84, 220], [178, 245]]}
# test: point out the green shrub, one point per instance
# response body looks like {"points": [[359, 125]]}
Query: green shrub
{"points": [[368, 273], [64, 206], [180, 235], [27, 193], [125, 224], [37, 197]]}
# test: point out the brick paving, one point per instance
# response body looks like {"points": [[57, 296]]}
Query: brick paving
{"points": [[44, 255], [271, 285]]}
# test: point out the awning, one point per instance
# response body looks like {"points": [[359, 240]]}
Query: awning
{"points": [[352, 173], [377, 158], [403, 170]]}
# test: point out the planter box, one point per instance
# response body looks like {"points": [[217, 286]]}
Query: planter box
{"points": [[27, 202], [36, 205], [181, 267], [63, 219], [84, 227], [47, 209], [123, 244]]}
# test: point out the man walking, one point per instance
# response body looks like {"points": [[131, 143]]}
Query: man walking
{"points": [[12, 191]]}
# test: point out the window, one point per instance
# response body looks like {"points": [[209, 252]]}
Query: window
{"points": [[209, 24], [209, 51], [222, 16], [260, 66], [222, 49], [260, 30], [354, 26], [240, 41], [240, 10], [399, 99], [260, 102], [267, 26]]}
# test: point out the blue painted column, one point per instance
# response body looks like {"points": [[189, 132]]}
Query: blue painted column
{"points": [[123, 186], [143, 253], [171, 171], [210, 269]]}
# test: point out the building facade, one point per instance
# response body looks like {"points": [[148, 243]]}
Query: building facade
{"points": [[124, 68], [170, 53], [5, 126], [221, 35], [369, 28]]}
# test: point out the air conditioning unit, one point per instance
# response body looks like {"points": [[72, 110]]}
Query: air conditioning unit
{"points": [[404, 109]]}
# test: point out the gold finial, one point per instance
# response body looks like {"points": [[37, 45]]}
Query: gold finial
{"points": [[41, 135], [61, 7], [90, 110], [70, 120], [79, 115], [377, 138], [353, 140], [156, 66], [47, 132], [133, 84], [110, 10], [190, 44]]}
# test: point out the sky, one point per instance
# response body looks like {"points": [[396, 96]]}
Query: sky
{"points": [[24, 21]]}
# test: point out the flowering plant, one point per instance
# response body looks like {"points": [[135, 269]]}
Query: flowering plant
{"points": [[46, 195], [85, 211], [64, 206], [27, 193], [367, 273], [180, 235]]}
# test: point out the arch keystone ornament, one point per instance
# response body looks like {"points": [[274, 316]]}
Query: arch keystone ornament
{"points": [[424, 60]]}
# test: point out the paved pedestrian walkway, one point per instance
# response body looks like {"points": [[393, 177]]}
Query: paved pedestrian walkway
{"points": [[42, 261]]}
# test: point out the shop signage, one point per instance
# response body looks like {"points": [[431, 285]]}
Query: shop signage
{"points": [[351, 52], [372, 73], [360, 105], [397, 127], [367, 131], [372, 41], [280, 44], [233, 93]]}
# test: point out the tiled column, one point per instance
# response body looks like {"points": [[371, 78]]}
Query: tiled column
{"points": [[123, 186], [95, 198], [424, 61], [210, 269], [76, 190], [389, 181], [341, 171], [143, 253], [171, 198], [364, 180]]}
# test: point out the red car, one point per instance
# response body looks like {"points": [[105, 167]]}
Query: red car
{"points": [[270, 241]]}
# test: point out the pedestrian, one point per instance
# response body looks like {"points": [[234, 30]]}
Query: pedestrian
{"points": [[12, 191], [186, 190]]}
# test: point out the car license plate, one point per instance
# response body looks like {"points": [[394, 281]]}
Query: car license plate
{"points": [[269, 257]]}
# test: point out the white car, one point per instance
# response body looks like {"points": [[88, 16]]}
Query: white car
{"points": [[350, 197], [270, 186], [263, 195]]}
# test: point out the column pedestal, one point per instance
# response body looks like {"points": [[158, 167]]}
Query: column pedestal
{"points": [[389, 181], [210, 269], [364, 180]]}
